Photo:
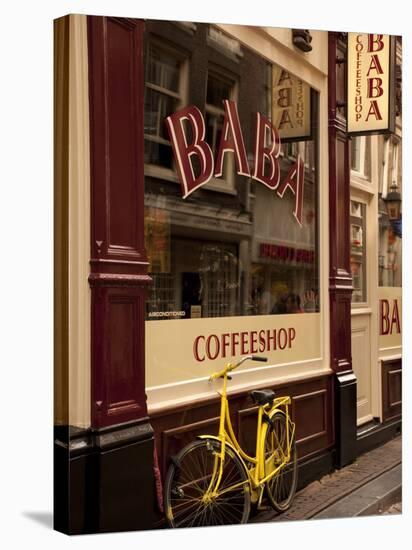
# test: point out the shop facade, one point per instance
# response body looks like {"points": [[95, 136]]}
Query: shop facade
{"points": [[376, 265], [206, 209]]}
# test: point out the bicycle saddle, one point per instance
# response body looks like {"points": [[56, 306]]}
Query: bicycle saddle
{"points": [[262, 397]]}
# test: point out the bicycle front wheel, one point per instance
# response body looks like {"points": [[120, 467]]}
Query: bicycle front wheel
{"points": [[189, 501], [281, 487]]}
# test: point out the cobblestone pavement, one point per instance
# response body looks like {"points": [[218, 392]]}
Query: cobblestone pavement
{"points": [[320, 494], [393, 510]]}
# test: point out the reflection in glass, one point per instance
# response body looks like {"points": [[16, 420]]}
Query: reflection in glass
{"points": [[218, 253], [358, 250]]}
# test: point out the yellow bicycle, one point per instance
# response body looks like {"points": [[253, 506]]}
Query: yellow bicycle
{"points": [[212, 481]]}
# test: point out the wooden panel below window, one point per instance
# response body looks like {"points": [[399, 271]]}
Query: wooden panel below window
{"points": [[117, 354], [312, 410], [391, 389]]}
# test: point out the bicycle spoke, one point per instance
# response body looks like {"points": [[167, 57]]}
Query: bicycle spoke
{"points": [[191, 497], [282, 485]]}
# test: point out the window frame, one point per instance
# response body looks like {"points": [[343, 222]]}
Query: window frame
{"points": [[156, 170], [361, 222], [361, 171]]}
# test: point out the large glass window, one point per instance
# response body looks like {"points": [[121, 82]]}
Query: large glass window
{"points": [[240, 254]]}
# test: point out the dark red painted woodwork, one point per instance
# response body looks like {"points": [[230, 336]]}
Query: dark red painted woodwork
{"points": [[117, 355], [118, 275], [116, 118], [340, 278], [391, 389]]}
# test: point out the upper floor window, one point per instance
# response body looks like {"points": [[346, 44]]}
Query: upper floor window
{"points": [[360, 156], [163, 96], [218, 88], [358, 250], [390, 232]]}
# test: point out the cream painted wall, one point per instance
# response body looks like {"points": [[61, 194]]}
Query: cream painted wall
{"points": [[276, 45], [76, 237], [318, 57], [364, 316]]}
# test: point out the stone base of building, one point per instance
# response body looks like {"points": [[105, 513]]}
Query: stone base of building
{"points": [[345, 418], [103, 479]]}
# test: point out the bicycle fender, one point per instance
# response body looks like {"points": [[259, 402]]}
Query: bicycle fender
{"points": [[215, 438], [269, 421]]}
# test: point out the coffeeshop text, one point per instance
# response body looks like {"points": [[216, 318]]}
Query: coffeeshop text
{"points": [[231, 344]]}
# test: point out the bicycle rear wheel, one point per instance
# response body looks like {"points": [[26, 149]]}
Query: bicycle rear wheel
{"points": [[281, 488], [188, 479]]}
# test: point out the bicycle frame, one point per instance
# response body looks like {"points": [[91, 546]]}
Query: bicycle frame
{"points": [[256, 474]]}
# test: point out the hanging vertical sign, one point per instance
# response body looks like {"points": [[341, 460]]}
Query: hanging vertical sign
{"points": [[290, 105], [370, 98]]}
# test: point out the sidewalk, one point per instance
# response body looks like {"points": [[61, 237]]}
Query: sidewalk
{"points": [[366, 487]]}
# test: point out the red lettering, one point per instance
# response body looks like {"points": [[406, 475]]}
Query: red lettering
{"points": [[262, 341], [294, 180], [267, 150], [209, 354], [395, 318], [292, 336], [234, 144], [184, 151], [253, 342], [243, 343], [372, 41], [196, 348], [375, 65], [282, 335], [225, 343], [384, 329], [374, 110], [235, 343], [375, 84], [269, 338], [264, 154]]}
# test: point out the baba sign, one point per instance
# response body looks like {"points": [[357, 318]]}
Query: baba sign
{"points": [[371, 62], [187, 131]]}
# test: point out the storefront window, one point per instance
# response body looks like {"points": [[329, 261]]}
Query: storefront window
{"points": [[358, 250], [250, 252], [390, 230]]}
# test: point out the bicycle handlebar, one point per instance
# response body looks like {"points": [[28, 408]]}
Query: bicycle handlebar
{"points": [[229, 367], [259, 358]]}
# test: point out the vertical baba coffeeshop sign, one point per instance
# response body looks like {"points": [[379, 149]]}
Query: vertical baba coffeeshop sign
{"points": [[371, 84], [371, 110]]}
